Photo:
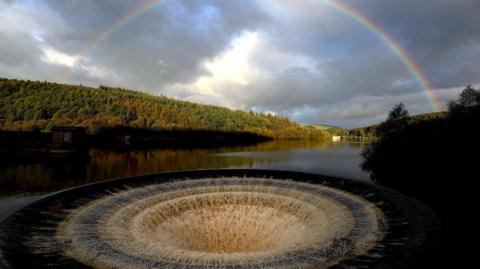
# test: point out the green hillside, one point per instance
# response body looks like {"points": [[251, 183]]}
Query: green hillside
{"points": [[332, 130], [35, 105]]}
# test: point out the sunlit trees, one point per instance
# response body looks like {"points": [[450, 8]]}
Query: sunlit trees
{"points": [[44, 105]]}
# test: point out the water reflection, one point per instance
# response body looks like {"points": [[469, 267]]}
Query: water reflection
{"points": [[338, 159]]}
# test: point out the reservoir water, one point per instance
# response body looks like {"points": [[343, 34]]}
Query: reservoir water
{"points": [[21, 183]]}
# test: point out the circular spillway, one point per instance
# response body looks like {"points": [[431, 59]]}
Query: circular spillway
{"points": [[219, 219]]}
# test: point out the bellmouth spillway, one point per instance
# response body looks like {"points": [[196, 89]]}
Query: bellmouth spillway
{"points": [[220, 219]]}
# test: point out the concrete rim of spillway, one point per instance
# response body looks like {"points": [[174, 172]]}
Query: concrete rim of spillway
{"points": [[411, 235]]}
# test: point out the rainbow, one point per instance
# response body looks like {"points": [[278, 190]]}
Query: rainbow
{"points": [[407, 60], [393, 45]]}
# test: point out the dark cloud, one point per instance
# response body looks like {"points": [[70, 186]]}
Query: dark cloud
{"points": [[439, 34], [296, 57], [164, 45]]}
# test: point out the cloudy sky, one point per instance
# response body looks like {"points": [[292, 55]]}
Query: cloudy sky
{"points": [[300, 58]]}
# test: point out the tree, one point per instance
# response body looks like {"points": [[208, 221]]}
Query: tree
{"points": [[468, 98], [398, 112], [397, 119], [433, 160], [49, 104]]}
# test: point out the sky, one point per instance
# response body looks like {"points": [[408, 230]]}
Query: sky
{"points": [[299, 58]]}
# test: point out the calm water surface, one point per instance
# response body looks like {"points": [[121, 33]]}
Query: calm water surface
{"points": [[23, 183]]}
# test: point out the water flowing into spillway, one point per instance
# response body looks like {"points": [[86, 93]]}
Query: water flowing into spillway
{"points": [[219, 221]]}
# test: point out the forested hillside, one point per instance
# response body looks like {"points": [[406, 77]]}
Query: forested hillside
{"points": [[35, 105], [373, 130], [332, 130]]}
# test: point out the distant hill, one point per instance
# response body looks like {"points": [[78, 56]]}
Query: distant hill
{"points": [[332, 130], [34, 105], [372, 129]]}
